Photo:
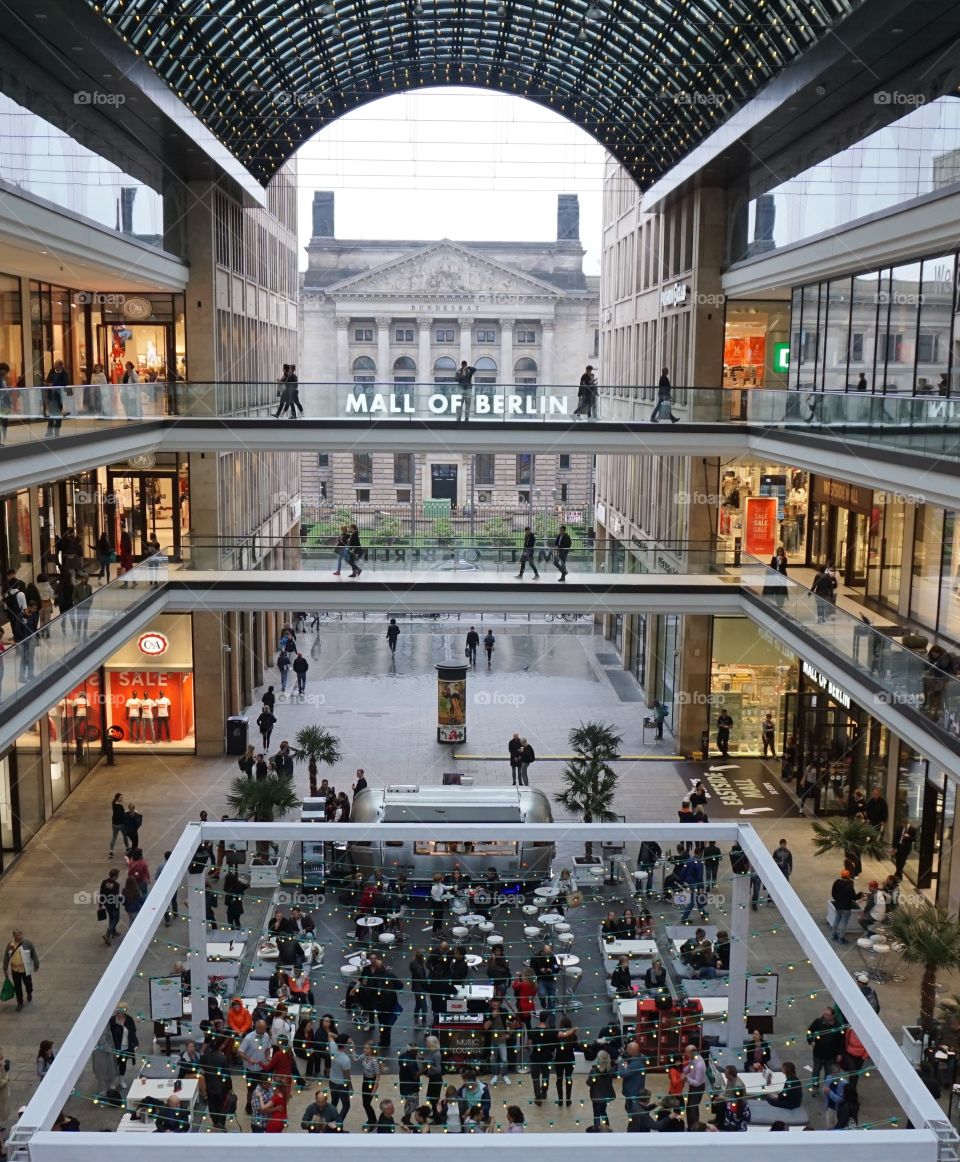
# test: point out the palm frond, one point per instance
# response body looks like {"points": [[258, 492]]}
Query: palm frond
{"points": [[930, 936], [263, 800], [318, 744], [595, 740], [843, 835]]}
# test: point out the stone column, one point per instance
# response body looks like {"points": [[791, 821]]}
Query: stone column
{"points": [[384, 370], [424, 362], [739, 959], [466, 338], [343, 350], [546, 353], [506, 351]]}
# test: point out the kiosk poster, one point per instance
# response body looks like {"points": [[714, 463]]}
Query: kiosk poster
{"points": [[452, 710]]}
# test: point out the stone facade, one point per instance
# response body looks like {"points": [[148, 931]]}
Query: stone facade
{"points": [[400, 313]]}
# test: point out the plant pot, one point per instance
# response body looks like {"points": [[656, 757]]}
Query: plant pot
{"points": [[911, 1042]]}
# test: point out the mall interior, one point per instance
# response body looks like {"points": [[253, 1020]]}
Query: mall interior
{"points": [[779, 240]]}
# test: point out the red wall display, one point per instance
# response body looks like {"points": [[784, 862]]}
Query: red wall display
{"points": [[760, 529], [178, 687]]}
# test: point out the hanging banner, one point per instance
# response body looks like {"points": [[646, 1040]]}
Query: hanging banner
{"points": [[452, 703], [760, 526]]}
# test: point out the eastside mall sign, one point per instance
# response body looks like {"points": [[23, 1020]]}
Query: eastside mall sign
{"points": [[481, 404]]}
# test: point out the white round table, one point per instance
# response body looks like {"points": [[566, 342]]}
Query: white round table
{"points": [[529, 909], [473, 961], [544, 893], [471, 919], [268, 951], [567, 960], [369, 924], [551, 918], [358, 960], [485, 926]]}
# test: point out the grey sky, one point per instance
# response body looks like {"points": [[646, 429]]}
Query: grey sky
{"points": [[453, 163]]}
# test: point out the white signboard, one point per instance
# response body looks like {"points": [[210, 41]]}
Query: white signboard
{"points": [[762, 995], [392, 403], [166, 998]]}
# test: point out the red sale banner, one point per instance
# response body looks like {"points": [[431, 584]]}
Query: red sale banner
{"points": [[760, 525]]}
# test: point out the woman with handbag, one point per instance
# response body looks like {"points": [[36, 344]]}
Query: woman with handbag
{"points": [[566, 887]]}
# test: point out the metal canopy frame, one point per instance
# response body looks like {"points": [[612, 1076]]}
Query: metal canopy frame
{"points": [[932, 1138], [648, 79]]}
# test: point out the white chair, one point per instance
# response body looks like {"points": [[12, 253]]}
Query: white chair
{"points": [[387, 939], [494, 941], [485, 926], [460, 932], [570, 982], [532, 931], [349, 971], [565, 940], [563, 926], [530, 909]]}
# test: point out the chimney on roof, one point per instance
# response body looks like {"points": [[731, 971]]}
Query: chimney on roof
{"points": [[568, 218], [323, 213]]}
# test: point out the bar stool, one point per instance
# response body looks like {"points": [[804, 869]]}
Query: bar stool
{"points": [[530, 910], [532, 931], [563, 926], [460, 932], [494, 941], [387, 939], [565, 940], [570, 982], [485, 926], [880, 952], [349, 971]]}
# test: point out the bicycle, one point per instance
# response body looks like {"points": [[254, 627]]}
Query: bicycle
{"points": [[435, 616]]}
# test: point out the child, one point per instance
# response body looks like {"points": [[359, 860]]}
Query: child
{"points": [[448, 1110]]}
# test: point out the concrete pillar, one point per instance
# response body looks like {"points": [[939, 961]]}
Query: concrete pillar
{"points": [[343, 350], [545, 375], [692, 680], [211, 683], [384, 370], [505, 374], [466, 338], [739, 957], [424, 363], [197, 958], [200, 296], [706, 328], [204, 511]]}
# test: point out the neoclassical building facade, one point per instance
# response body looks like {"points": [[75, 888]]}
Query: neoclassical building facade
{"points": [[384, 315]]}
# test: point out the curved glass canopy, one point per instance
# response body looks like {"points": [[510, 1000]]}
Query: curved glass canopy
{"points": [[648, 79]]}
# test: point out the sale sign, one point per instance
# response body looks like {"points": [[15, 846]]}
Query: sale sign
{"points": [[760, 526]]}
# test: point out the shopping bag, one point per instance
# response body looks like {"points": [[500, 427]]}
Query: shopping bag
{"points": [[6, 993]]}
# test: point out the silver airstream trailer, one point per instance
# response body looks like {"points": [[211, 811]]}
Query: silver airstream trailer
{"points": [[420, 858]]}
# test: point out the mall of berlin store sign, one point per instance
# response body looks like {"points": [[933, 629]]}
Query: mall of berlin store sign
{"points": [[439, 404]]}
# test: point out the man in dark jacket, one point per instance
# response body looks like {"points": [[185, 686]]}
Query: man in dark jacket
{"points": [[541, 1054], [650, 854], [642, 1120], [283, 760], [123, 1033], [561, 546], [215, 1070], [464, 378], [300, 667], [825, 1038], [528, 553], [408, 1080], [844, 896], [473, 643], [664, 396], [876, 810], [514, 747]]}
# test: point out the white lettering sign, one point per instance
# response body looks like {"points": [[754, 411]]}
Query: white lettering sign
{"points": [[384, 403], [831, 688], [674, 296]]}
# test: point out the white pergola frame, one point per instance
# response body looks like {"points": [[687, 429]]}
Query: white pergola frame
{"points": [[32, 1140]]}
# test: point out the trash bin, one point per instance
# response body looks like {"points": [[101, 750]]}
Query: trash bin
{"points": [[236, 734]]}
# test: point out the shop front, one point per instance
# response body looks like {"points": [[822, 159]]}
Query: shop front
{"points": [[843, 527], [148, 693], [747, 514], [756, 338], [751, 675], [849, 749], [926, 798]]}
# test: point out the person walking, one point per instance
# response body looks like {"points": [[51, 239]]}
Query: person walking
{"points": [[600, 1088], [808, 786], [58, 380], [132, 822], [825, 1038], [118, 820], [664, 398], [354, 552], [783, 858], [104, 552], [823, 588], [123, 1033], [489, 641], [514, 747], [541, 1054], [293, 383], [876, 810], [109, 899], [464, 379], [844, 896], [527, 553], [587, 394], [906, 838], [561, 547], [300, 667], [265, 723], [343, 540], [473, 641], [695, 1077], [526, 758], [341, 1086], [393, 632], [20, 961], [724, 725], [284, 392], [283, 668]]}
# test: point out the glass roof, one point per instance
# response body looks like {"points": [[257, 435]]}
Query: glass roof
{"points": [[649, 79]]}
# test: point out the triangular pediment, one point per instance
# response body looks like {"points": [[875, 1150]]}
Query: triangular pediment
{"points": [[444, 268]]}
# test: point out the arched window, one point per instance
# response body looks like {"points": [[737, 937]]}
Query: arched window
{"points": [[404, 363], [404, 372], [444, 370], [525, 371], [364, 371], [486, 375]]}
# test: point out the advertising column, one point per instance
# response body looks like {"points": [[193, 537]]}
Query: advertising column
{"points": [[451, 703]]}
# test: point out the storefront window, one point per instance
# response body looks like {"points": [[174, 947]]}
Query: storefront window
{"points": [[149, 694], [11, 328], [8, 837], [862, 342], [752, 332], [837, 331], [29, 785], [750, 676], [789, 486], [933, 335], [927, 556], [638, 649], [17, 543]]}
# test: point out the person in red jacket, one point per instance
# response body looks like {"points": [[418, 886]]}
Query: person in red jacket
{"points": [[525, 990]]}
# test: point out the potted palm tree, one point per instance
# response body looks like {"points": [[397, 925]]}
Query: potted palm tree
{"points": [[315, 745], [928, 936], [590, 783], [263, 801], [853, 837]]}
